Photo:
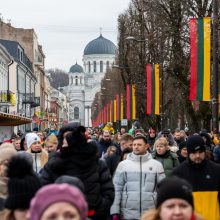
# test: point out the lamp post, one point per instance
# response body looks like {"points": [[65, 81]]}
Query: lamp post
{"points": [[140, 77]]}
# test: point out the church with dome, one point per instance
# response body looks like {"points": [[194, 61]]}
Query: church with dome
{"points": [[85, 82]]}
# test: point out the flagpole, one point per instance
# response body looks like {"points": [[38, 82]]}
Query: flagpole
{"points": [[215, 107]]}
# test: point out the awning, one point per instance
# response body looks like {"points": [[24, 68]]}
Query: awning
{"points": [[13, 120]]}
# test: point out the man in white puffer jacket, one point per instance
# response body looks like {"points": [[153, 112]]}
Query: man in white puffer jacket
{"points": [[135, 182]]}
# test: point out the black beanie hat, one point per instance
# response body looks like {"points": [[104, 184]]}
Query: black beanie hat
{"points": [[182, 145], [195, 143], [23, 183], [71, 180], [174, 188]]}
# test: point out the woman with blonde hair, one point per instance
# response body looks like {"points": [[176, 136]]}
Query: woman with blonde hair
{"points": [[51, 143], [174, 201], [163, 154]]}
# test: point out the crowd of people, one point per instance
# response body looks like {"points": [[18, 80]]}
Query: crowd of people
{"points": [[96, 173]]}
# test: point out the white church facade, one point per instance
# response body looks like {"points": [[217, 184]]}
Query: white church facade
{"points": [[85, 82]]}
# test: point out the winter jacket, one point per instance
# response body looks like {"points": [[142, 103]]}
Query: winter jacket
{"points": [[205, 180], [103, 146], [83, 162], [151, 141], [169, 161], [39, 159], [135, 182], [216, 153], [180, 157]]}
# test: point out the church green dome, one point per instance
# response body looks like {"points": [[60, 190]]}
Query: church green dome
{"points": [[100, 45], [76, 69]]}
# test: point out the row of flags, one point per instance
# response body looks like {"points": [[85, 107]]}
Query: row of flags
{"points": [[115, 110], [200, 79]]}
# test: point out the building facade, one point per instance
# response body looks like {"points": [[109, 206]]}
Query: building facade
{"points": [[22, 81], [28, 40], [85, 82]]}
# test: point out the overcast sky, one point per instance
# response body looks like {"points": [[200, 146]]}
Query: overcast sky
{"points": [[65, 27]]}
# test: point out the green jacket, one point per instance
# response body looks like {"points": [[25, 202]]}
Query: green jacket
{"points": [[169, 161]]}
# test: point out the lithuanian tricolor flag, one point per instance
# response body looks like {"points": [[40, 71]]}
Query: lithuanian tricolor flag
{"points": [[131, 101], [200, 57], [153, 89]]}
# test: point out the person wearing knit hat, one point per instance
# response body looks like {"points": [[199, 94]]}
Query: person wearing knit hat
{"points": [[174, 201], [182, 152], [40, 156], [7, 151], [203, 175], [57, 201], [22, 185], [71, 180]]}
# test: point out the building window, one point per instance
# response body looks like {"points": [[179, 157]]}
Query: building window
{"points": [[101, 66], [21, 59], [71, 80], [81, 80], [107, 65], [94, 66], [76, 113], [89, 67], [76, 78]]}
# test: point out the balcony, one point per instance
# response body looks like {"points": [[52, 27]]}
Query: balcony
{"points": [[28, 98], [7, 98], [36, 102]]}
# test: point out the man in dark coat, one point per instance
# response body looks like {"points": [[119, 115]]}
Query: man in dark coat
{"points": [[203, 175], [113, 160], [104, 143], [80, 159]]}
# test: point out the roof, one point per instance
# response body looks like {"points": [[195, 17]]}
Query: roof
{"points": [[76, 69], [12, 48], [13, 120], [100, 45]]}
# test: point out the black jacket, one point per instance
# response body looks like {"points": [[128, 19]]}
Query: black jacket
{"points": [[205, 180], [82, 161], [103, 146]]}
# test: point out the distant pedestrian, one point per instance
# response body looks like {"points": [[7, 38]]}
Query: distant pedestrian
{"points": [[17, 143], [182, 152], [163, 154], [112, 161], [104, 142], [151, 137], [40, 156], [51, 143]]}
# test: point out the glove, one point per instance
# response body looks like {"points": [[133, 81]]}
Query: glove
{"points": [[115, 217]]}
